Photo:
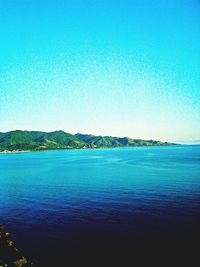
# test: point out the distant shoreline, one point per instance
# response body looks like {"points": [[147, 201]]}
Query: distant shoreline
{"points": [[92, 148], [28, 141], [13, 152]]}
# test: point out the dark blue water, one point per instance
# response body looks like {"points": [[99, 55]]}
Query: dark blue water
{"points": [[62, 204]]}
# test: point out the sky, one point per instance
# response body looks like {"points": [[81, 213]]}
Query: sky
{"points": [[104, 67]]}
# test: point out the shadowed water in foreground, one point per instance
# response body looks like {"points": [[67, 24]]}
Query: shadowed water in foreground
{"points": [[64, 205]]}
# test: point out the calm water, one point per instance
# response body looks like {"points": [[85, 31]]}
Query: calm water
{"points": [[65, 204]]}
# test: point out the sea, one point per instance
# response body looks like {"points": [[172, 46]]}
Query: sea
{"points": [[66, 205]]}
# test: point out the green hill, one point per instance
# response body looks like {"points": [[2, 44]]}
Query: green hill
{"points": [[35, 140]]}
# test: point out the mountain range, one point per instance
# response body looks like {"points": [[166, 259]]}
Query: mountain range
{"points": [[19, 140]]}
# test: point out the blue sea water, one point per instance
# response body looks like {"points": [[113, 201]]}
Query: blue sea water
{"points": [[60, 203]]}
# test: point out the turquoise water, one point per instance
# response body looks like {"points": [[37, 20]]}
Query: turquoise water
{"points": [[78, 200]]}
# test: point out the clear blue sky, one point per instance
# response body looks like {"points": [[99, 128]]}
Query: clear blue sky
{"points": [[110, 67]]}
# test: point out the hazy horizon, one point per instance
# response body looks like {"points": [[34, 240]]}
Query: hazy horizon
{"points": [[118, 68]]}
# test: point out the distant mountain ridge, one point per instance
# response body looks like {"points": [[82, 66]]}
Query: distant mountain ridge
{"points": [[19, 140]]}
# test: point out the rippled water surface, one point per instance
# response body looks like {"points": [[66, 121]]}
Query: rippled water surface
{"points": [[59, 204]]}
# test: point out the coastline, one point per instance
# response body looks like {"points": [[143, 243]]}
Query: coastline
{"points": [[83, 148], [9, 254], [18, 141], [14, 151]]}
